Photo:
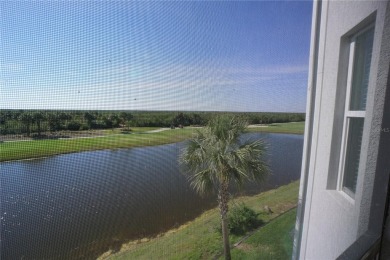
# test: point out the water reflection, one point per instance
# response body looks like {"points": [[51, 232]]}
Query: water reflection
{"points": [[76, 205]]}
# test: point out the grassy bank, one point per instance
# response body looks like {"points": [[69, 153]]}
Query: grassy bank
{"points": [[135, 130], [273, 241], [27, 149], [199, 239], [41, 148], [287, 128]]}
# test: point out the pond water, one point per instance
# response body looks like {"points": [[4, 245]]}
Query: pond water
{"points": [[78, 205]]}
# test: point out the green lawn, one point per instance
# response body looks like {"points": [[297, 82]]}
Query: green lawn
{"points": [[199, 239], [273, 241], [134, 130], [288, 128], [113, 139], [41, 148]]}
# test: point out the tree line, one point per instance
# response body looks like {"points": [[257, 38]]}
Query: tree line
{"points": [[35, 122]]}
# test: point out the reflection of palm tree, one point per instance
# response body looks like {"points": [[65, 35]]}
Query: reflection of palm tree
{"points": [[216, 156]]}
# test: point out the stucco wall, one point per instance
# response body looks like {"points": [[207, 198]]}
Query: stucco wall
{"points": [[331, 220]]}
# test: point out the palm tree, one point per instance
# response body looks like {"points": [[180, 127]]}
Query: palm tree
{"points": [[217, 156]]}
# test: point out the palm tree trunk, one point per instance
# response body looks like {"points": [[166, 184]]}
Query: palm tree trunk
{"points": [[223, 207]]}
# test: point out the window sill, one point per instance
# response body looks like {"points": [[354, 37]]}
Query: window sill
{"points": [[343, 199]]}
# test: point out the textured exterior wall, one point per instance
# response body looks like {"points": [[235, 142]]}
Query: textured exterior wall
{"points": [[331, 220]]}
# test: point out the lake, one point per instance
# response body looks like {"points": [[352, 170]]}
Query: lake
{"points": [[78, 205]]}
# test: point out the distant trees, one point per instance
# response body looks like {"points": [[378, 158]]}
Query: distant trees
{"points": [[27, 119], [38, 117], [112, 120], [2, 120], [54, 121], [185, 119], [182, 119], [126, 118], [90, 118], [269, 118], [39, 121], [198, 120], [6, 120], [3, 125], [73, 126]]}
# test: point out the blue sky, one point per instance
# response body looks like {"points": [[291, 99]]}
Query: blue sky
{"points": [[213, 56]]}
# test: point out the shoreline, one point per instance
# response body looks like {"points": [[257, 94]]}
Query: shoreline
{"points": [[37, 149], [283, 204], [12, 151]]}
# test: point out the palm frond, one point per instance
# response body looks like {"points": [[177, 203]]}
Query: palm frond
{"points": [[215, 155], [202, 181]]}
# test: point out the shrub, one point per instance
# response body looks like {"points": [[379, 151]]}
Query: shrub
{"points": [[84, 127], [3, 131], [74, 126], [242, 219]]}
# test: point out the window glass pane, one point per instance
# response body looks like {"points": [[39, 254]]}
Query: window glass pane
{"points": [[354, 142], [361, 70]]}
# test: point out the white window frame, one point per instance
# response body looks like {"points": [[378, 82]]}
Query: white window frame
{"points": [[348, 114]]}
